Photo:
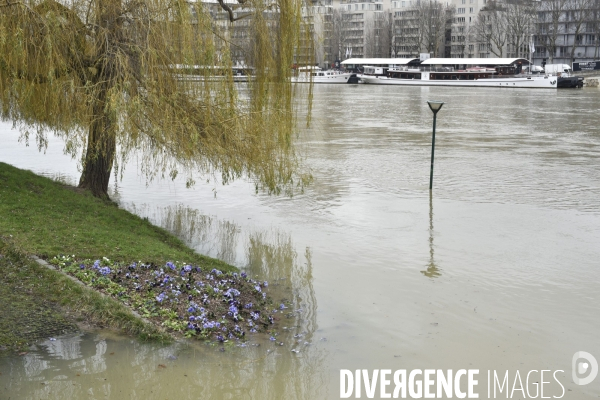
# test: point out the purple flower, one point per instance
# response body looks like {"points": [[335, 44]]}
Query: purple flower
{"points": [[252, 330], [265, 283], [82, 266], [233, 310], [272, 339], [104, 271], [191, 309], [187, 268], [171, 265], [160, 297], [257, 287], [247, 306], [282, 306], [192, 318], [244, 275], [220, 338], [231, 292]]}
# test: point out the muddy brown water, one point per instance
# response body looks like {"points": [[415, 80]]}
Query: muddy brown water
{"points": [[498, 270]]}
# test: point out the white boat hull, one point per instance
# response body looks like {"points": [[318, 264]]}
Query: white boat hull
{"points": [[536, 82], [334, 78]]}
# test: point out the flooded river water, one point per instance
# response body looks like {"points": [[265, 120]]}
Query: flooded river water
{"points": [[498, 270]]}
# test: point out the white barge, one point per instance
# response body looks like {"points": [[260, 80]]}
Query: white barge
{"points": [[477, 72]]}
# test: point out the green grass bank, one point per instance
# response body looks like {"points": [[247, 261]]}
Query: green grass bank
{"points": [[47, 218], [42, 217]]}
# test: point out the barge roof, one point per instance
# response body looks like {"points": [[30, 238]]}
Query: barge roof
{"points": [[474, 61], [380, 61]]}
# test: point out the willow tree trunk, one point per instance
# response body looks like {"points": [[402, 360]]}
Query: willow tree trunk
{"points": [[101, 148]]}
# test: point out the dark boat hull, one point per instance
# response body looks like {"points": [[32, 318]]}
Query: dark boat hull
{"points": [[570, 82]]}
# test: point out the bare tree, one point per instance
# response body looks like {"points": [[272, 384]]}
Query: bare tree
{"points": [[383, 34], [594, 26], [337, 34], [460, 33], [490, 28], [433, 19], [370, 38], [409, 34], [551, 18], [520, 18], [578, 11]]}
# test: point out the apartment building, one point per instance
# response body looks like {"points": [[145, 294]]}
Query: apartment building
{"points": [[563, 30], [567, 31]]}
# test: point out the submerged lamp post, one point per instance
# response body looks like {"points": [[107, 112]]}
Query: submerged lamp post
{"points": [[435, 106]]}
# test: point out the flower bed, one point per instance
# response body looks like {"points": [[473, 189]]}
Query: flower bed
{"points": [[182, 298]]}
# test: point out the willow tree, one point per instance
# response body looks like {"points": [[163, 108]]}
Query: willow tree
{"points": [[112, 78]]}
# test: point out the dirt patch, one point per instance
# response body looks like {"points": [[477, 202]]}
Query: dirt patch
{"points": [[25, 317]]}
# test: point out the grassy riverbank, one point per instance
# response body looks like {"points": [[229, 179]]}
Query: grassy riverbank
{"points": [[37, 303], [45, 218]]}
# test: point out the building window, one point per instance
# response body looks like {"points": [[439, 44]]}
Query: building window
{"points": [[460, 10]]}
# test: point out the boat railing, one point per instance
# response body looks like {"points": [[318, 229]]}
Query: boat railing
{"points": [[489, 72], [422, 69]]}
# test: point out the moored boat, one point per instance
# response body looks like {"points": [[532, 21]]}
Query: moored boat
{"points": [[477, 72], [211, 73], [317, 75]]}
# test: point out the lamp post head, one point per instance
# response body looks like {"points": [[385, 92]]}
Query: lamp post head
{"points": [[435, 105]]}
